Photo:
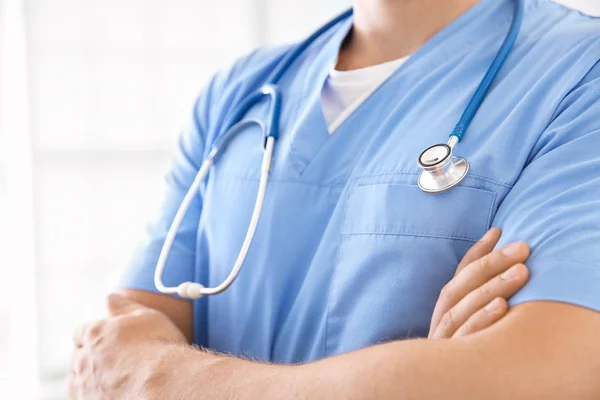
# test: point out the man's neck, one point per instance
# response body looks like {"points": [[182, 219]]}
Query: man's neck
{"points": [[386, 30]]}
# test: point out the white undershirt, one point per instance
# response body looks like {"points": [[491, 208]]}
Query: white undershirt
{"points": [[344, 91]]}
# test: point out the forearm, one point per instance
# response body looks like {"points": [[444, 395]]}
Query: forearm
{"points": [[414, 369], [533, 361], [189, 373], [519, 358]]}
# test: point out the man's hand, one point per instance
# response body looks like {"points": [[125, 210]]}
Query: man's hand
{"points": [[484, 280], [108, 357]]}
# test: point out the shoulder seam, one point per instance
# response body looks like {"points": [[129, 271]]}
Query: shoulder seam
{"points": [[571, 90]]}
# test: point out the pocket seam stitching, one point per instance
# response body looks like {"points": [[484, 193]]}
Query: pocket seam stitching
{"points": [[345, 231], [421, 235], [334, 270], [491, 210]]}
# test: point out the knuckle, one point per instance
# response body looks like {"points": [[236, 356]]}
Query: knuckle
{"points": [[105, 358], [475, 323], [150, 313], [484, 291], [481, 263], [97, 341], [447, 322], [466, 329], [141, 314], [478, 249], [95, 330], [123, 323], [151, 316], [123, 328], [475, 252], [447, 293]]}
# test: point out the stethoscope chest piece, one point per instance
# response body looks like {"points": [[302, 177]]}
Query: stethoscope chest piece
{"points": [[441, 170]]}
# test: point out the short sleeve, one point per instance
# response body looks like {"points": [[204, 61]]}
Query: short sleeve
{"points": [[554, 205], [180, 264], [184, 165], [224, 91]]}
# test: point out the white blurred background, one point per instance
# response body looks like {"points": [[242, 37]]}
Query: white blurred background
{"points": [[92, 94]]}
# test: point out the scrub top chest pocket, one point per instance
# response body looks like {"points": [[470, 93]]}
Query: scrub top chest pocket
{"points": [[399, 247]]}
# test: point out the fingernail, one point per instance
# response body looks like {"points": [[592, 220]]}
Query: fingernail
{"points": [[511, 250], [511, 273], [493, 305]]}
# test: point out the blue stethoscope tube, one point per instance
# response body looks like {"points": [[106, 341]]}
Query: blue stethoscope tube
{"points": [[490, 76], [441, 170]]}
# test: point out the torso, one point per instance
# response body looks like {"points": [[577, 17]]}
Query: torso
{"points": [[349, 252]]}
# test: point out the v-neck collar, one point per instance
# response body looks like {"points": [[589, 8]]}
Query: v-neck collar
{"points": [[310, 136], [309, 132]]}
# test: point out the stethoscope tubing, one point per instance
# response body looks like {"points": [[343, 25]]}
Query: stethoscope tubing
{"points": [[488, 79], [193, 290], [234, 125]]}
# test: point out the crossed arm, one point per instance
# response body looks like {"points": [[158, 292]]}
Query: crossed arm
{"points": [[538, 350]]}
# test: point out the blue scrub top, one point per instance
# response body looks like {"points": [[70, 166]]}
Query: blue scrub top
{"points": [[349, 252]]}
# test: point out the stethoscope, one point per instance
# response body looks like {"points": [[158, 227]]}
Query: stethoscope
{"points": [[441, 170]]}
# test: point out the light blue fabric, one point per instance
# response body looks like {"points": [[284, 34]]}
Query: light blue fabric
{"points": [[349, 252]]}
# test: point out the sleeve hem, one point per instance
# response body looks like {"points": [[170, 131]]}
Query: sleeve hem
{"points": [[140, 274], [564, 281]]}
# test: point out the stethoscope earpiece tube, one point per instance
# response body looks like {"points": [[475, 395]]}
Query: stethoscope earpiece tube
{"points": [[172, 233], [194, 290]]}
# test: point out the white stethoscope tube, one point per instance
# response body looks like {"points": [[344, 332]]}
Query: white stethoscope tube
{"points": [[194, 290]]}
